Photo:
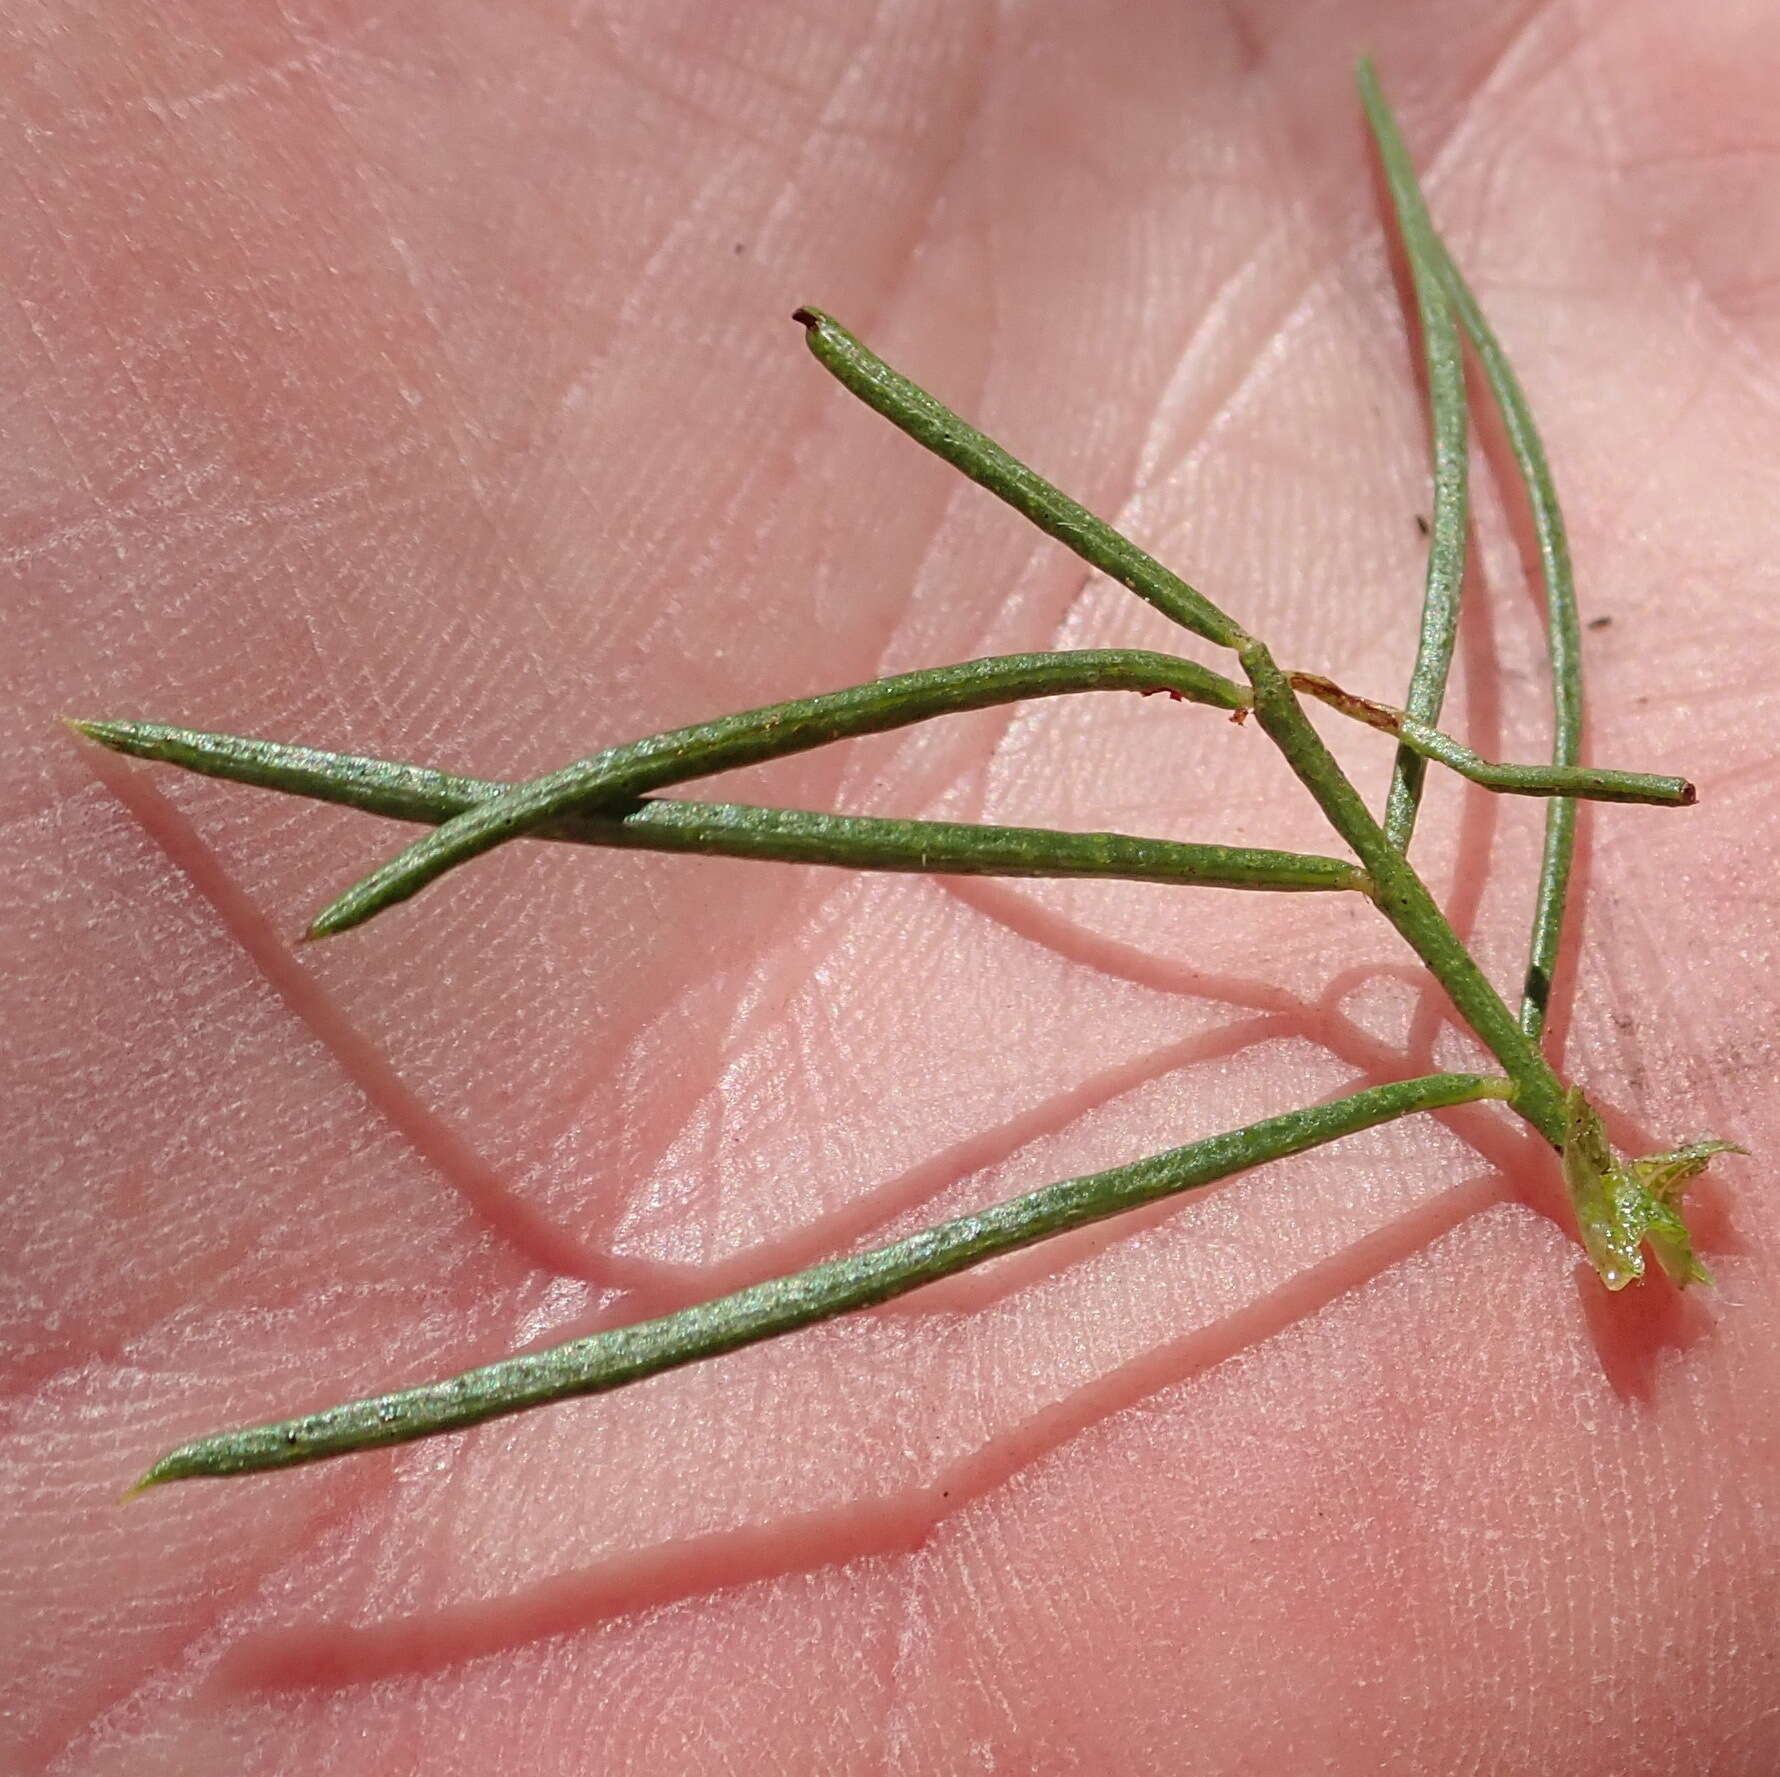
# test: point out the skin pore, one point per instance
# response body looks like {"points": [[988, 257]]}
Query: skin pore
{"points": [[422, 383]]}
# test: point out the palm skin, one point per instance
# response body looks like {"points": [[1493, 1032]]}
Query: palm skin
{"points": [[423, 384]]}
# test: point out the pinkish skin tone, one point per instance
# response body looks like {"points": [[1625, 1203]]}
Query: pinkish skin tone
{"points": [[424, 383]]}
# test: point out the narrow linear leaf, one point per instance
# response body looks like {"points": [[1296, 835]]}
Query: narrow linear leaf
{"points": [[784, 1304], [1593, 782], [909, 407], [737, 830], [1448, 428], [1563, 637], [772, 732]]}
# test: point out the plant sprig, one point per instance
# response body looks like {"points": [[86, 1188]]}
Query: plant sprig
{"points": [[1622, 1206]]}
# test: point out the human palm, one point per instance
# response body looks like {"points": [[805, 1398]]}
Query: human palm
{"points": [[424, 384]]}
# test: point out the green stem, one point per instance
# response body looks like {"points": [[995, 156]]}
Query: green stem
{"points": [[782, 1305], [1402, 897], [1399, 891], [1448, 427], [622, 773], [736, 830]]}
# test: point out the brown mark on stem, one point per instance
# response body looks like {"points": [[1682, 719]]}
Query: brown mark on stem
{"points": [[1383, 716]]}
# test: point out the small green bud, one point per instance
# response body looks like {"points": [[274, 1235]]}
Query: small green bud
{"points": [[1619, 1206]]}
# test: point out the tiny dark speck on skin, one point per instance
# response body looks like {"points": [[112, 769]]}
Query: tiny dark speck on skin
{"points": [[1599, 622], [1422, 525]]}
